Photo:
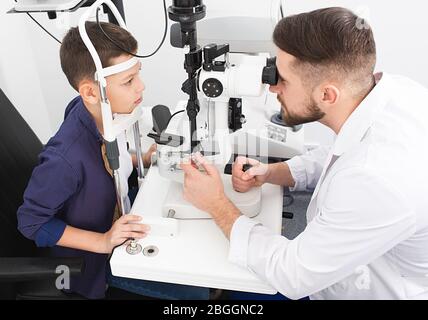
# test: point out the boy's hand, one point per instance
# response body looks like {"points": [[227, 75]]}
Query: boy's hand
{"points": [[124, 228], [147, 157], [256, 176]]}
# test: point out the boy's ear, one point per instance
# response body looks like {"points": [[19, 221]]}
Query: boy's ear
{"points": [[89, 91]]}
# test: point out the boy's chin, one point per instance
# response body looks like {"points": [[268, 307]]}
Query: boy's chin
{"points": [[125, 111]]}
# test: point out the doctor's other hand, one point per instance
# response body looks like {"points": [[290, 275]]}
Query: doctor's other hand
{"points": [[147, 157], [203, 189], [124, 228], [255, 176]]}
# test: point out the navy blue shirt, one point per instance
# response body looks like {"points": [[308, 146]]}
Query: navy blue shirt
{"points": [[70, 186]]}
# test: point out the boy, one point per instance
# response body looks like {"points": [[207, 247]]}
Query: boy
{"points": [[70, 200]]}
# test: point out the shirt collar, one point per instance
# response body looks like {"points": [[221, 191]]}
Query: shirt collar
{"points": [[360, 121], [88, 121]]}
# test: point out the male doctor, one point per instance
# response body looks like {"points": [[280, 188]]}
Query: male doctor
{"points": [[367, 232]]}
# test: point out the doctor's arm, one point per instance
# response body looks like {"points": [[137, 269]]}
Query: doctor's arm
{"points": [[361, 218], [300, 173]]}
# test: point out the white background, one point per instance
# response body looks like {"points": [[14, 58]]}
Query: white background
{"points": [[31, 75]]}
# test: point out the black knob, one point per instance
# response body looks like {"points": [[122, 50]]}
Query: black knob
{"points": [[212, 88]]}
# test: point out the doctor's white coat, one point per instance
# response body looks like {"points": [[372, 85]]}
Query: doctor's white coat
{"points": [[367, 232]]}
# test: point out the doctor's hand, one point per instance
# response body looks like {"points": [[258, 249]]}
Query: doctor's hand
{"points": [[124, 228], [203, 189], [206, 192], [256, 176]]}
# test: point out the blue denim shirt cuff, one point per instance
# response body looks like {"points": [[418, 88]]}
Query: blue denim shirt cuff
{"points": [[49, 234]]}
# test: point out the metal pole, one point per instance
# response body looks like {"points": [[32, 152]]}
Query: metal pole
{"points": [[119, 197], [137, 142]]}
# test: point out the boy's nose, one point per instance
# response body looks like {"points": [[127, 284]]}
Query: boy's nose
{"points": [[141, 86]]}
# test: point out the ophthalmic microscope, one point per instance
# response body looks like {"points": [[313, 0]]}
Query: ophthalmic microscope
{"points": [[211, 122], [184, 244]]}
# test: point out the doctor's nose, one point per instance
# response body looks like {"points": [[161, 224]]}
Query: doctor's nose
{"points": [[274, 89]]}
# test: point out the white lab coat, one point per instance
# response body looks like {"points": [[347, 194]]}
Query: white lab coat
{"points": [[367, 232]]}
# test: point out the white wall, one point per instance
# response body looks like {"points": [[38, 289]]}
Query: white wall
{"points": [[399, 28], [32, 77], [19, 75]]}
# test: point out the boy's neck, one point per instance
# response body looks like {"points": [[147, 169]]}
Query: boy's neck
{"points": [[95, 112]]}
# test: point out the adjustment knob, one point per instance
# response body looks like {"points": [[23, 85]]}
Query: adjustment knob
{"points": [[212, 88]]}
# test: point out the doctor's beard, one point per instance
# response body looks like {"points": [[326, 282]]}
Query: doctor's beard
{"points": [[311, 113]]}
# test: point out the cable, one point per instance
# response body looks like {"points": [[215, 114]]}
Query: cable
{"points": [[281, 8], [99, 24], [131, 53], [170, 118], [287, 195], [43, 28]]}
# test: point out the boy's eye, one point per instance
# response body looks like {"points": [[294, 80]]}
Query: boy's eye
{"points": [[127, 83]]}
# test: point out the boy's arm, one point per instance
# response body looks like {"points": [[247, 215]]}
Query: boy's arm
{"points": [[84, 240], [125, 228], [51, 184], [147, 157]]}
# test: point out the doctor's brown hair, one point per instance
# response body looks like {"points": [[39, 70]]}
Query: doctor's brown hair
{"points": [[77, 63], [326, 42]]}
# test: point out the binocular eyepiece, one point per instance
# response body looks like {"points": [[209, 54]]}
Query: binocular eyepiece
{"points": [[270, 73]]}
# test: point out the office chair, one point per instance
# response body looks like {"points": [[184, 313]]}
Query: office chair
{"points": [[25, 271]]}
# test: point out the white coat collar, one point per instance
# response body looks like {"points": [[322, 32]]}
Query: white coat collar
{"points": [[360, 121]]}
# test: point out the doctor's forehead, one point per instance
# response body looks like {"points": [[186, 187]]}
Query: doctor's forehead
{"points": [[285, 60]]}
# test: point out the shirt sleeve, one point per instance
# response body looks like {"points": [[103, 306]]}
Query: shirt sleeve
{"points": [[51, 184], [306, 169], [361, 219]]}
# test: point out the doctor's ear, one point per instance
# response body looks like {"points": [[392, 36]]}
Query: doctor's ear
{"points": [[89, 91], [329, 94]]}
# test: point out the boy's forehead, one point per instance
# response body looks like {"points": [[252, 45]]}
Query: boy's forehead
{"points": [[120, 59], [131, 70], [123, 59]]}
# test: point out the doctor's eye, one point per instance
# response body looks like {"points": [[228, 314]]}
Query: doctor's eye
{"points": [[282, 80]]}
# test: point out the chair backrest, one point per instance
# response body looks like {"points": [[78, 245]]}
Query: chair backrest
{"points": [[19, 149]]}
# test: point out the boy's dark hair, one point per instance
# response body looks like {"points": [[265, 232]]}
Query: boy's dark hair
{"points": [[77, 63], [333, 38]]}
